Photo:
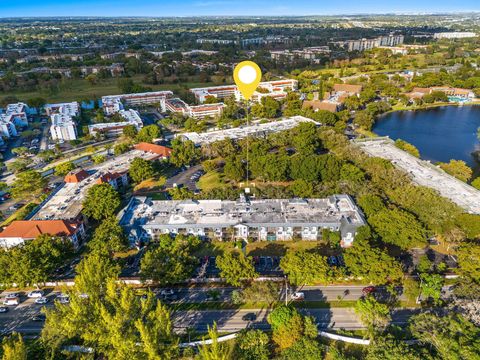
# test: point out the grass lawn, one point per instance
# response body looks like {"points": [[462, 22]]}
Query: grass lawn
{"points": [[279, 248], [211, 180], [214, 248], [150, 185], [19, 214], [79, 89]]}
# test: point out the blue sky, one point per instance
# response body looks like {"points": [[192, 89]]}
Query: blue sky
{"points": [[10, 8]]}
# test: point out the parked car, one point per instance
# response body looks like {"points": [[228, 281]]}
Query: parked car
{"points": [[41, 300], [3, 309], [298, 296], [11, 301], [12, 295], [368, 290], [35, 294]]}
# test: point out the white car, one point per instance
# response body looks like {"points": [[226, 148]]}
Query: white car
{"points": [[41, 300], [11, 301], [166, 292], [3, 309], [35, 294], [298, 296]]}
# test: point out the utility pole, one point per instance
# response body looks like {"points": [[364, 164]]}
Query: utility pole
{"points": [[286, 291]]}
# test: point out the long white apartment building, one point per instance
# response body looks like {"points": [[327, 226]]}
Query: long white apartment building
{"points": [[63, 127], [424, 173], [70, 109], [197, 111], [277, 88], [367, 44], [272, 219], [112, 129], [114, 103], [454, 35], [257, 128]]}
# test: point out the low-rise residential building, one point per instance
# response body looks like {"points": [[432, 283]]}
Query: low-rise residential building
{"points": [[114, 103], [367, 44], [112, 129], [257, 128], [452, 93], [272, 219], [454, 35], [277, 89], [71, 108], [161, 151], [63, 127], [312, 54], [197, 111], [13, 119], [20, 231], [116, 179]]}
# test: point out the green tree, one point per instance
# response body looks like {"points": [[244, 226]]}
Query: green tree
{"points": [[305, 138], [108, 237], [130, 131], [234, 168], [98, 159], [183, 152], [93, 274], [148, 133], [64, 168], [14, 348], [170, 261], [18, 166], [303, 267], [370, 263], [260, 291], [476, 183], [216, 350], [374, 315], [458, 169], [252, 345], [398, 227], [20, 151], [409, 148], [431, 286], [140, 170], [121, 148], [235, 268], [28, 183], [389, 348], [303, 349], [451, 336], [101, 201]]}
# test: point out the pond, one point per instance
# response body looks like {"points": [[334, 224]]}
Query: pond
{"points": [[440, 134]]}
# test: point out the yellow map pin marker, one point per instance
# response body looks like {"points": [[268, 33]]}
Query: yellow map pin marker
{"points": [[247, 76]]}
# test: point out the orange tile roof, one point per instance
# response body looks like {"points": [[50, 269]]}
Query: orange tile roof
{"points": [[347, 88], [30, 229], [320, 105], [105, 178], [153, 148], [76, 176]]}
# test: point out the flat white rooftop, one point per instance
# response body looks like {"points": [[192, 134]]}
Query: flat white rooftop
{"points": [[424, 173], [256, 129]]}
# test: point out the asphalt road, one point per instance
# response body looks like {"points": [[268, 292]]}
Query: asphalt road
{"points": [[183, 179], [18, 318]]}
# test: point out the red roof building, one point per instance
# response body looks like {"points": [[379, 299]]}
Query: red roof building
{"points": [[76, 176], [162, 151], [22, 230]]}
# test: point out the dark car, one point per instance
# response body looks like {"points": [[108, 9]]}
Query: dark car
{"points": [[368, 290], [39, 317], [249, 317]]}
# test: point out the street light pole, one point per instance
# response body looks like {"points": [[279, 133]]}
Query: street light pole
{"points": [[286, 291]]}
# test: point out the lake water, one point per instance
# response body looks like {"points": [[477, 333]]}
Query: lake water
{"points": [[440, 134]]}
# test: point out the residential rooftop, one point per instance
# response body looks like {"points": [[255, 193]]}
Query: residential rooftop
{"points": [[256, 129], [424, 173]]}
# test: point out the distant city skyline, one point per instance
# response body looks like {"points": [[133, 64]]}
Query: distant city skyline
{"points": [[159, 8]]}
